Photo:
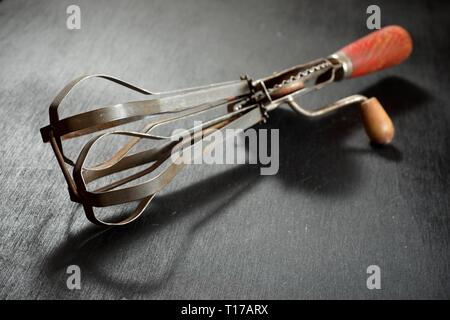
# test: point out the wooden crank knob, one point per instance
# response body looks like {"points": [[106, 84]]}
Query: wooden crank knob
{"points": [[377, 123]]}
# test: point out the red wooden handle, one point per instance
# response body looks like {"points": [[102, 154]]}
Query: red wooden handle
{"points": [[378, 50]]}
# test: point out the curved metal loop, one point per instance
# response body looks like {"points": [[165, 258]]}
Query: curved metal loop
{"points": [[172, 106], [53, 109], [137, 212], [114, 115], [144, 191]]}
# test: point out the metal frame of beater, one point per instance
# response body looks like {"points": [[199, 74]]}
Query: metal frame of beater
{"points": [[243, 103]]}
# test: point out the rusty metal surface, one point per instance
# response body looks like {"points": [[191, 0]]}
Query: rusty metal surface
{"points": [[336, 206]]}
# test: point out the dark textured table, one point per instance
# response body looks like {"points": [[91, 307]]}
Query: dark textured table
{"points": [[336, 206]]}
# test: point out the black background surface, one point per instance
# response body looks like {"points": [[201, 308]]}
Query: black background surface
{"points": [[336, 206]]}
